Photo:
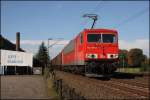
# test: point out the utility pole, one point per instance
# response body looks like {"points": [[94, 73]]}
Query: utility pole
{"points": [[51, 69], [48, 51], [93, 16], [49, 46]]}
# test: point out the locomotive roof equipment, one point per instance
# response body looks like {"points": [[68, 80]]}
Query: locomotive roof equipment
{"points": [[93, 16]]}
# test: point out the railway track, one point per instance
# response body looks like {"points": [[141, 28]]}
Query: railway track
{"points": [[125, 89], [114, 88], [143, 79], [134, 82], [129, 88], [144, 92]]}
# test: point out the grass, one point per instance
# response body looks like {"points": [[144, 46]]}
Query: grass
{"points": [[129, 70], [51, 91], [49, 82]]}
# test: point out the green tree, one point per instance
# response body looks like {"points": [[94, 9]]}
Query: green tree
{"points": [[123, 58], [136, 57], [145, 64], [42, 55]]}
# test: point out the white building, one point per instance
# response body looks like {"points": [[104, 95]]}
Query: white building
{"points": [[15, 62]]}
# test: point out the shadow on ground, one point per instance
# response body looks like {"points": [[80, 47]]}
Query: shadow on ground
{"points": [[120, 75]]}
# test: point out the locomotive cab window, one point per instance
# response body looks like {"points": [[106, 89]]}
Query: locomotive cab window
{"points": [[93, 37], [101, 38], [108, 38]]}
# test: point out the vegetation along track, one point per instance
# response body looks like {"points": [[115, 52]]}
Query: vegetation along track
{"points": [[99, 89]]}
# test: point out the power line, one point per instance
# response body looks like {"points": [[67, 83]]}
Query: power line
{"points": [[92, 12], [133, 17]]}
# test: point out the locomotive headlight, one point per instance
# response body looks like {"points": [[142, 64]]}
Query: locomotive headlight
{"points": [[91, 55], [112, 56]]}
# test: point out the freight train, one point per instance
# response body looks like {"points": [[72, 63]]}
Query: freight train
{"points": [[93, 52]]}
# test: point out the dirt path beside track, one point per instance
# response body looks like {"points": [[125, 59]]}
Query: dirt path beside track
{"points": [[23, 87]]}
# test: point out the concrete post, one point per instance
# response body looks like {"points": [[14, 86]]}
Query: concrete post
{"points": [[15, 70], [6, 70]]}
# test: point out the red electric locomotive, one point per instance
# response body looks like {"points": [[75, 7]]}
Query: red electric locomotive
{"points": [[93, 52]]}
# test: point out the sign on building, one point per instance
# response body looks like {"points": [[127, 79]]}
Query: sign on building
{"points": [[15, 58]]}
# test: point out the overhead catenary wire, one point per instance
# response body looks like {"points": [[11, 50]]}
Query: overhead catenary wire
{"points": [[133, 17], [92, 12], [130, 18], [83, 23]]}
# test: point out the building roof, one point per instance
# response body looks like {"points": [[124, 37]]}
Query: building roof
{"points": [[7, 45]]}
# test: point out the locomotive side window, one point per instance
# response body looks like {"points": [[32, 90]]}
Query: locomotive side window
{"points": [[108, 38], [94, 37]]}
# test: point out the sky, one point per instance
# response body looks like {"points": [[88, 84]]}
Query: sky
{"points": [[39, 20]]}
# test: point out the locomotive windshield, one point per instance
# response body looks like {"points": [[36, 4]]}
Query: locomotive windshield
{"points": [[94, 37], [108, 38], [102, 38]]}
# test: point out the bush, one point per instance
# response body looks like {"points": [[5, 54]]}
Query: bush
{"points": [[145, 68], [46, 73]]}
